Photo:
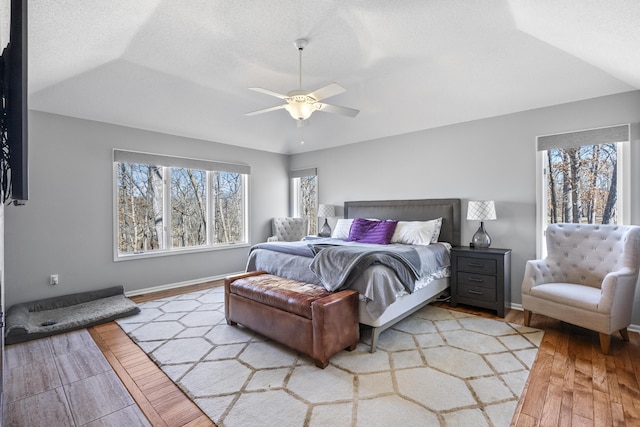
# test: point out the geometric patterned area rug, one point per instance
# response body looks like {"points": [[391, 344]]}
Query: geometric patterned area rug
{"points": [[436, 367]]}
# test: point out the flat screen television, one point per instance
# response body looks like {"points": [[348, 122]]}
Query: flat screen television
{"points": [[15, 141]]}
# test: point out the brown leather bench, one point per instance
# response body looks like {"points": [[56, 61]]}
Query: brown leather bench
{"points": [[303, 316]]}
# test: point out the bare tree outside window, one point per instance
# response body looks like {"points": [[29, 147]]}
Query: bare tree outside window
{"points": [[188, 207], [582, 184], [138, 213], [307, 200], [204, 208], [228, 202]]}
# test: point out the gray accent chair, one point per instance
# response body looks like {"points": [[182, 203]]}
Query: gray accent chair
{"points": [[588, 278], [288, 229]]}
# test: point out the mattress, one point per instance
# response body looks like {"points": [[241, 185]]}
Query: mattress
{"points": [[379, 286]]}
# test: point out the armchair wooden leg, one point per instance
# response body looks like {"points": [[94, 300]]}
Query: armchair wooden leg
{"points": [[625, 334], [605, 343], [527, 317]]}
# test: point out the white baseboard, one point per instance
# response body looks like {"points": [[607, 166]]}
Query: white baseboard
{"points": [[516, 306], [177, 285], [631, 328]]}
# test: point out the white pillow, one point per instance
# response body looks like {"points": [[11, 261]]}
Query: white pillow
{"points": [[436, 231], [341, 230], [417, 232]]}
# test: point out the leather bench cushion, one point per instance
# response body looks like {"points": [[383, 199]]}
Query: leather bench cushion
{"points": [[285, 294]]}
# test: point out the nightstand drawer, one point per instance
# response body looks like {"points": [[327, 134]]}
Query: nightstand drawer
{"points": [[477, 293], [476, 280], [477, 265]]}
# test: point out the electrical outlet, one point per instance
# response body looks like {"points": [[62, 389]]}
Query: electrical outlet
{"points": [[53, 279]]}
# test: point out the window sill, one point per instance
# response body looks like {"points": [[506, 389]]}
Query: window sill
{"points": [[181, 251]]}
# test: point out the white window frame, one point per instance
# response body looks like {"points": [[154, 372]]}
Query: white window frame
{"points": [[623, 187], [179, 162]]}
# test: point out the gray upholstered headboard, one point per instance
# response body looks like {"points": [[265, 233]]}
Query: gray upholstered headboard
{"points": [[412, 210]]}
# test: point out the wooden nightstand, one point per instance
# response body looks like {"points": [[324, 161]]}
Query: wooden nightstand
{"points": [[481, 277]]}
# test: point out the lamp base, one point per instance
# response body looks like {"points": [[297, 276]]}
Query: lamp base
{"points": [[325, 231], [481, 239]]}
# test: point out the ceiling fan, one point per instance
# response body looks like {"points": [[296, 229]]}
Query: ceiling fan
{"points": [[302, 103]]}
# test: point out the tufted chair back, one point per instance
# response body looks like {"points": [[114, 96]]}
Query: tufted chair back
{"points": [[588, 278], [288, 229], [586, 253]]}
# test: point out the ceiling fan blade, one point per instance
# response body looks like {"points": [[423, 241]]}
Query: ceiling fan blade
{"points": [[269, 92], [336, 109], [266, 110], [327, 91]]}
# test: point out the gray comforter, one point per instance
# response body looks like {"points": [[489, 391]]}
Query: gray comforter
{"points": [[336, 263]]}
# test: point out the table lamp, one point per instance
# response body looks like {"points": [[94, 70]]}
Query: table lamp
{"points": [[325, 211], [481, 210]]}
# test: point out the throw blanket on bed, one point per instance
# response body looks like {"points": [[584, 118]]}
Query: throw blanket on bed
{"points": [[337, 263], [337, 266], [301, 248]]}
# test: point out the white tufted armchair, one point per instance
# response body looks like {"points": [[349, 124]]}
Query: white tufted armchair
{"points": [[587, 279], [288, 229]]}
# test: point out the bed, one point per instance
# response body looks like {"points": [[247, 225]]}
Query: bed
{"points": [[385, 299]]}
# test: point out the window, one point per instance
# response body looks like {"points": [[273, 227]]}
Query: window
{"points": [[166, 204], [304, 184], [582, 184], [582, 178]]}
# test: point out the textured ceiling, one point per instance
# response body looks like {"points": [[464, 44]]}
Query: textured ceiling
{"points": [[184, 67]]}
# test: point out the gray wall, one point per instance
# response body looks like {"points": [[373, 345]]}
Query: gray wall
{"points": [[485, 159], [66, 227]]}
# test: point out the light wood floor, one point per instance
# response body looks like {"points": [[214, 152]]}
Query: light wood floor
{"points": [[159, 398], [571, 383]]}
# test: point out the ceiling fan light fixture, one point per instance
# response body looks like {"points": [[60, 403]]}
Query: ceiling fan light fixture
{"points": [[301, 103], [300, 110]]}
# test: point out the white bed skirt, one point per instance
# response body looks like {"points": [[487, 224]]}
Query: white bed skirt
{"points": [[404, 305]]}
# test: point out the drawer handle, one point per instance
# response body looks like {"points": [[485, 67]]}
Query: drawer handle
{"points": [[476, 265], [471, 291], [474, 279]]}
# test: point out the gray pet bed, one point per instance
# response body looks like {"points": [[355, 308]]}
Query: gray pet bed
{"points": [[42, 318]]}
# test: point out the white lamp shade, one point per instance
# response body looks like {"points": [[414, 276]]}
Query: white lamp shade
{"points": [[300, 110], [325, 211], [481, 210]]}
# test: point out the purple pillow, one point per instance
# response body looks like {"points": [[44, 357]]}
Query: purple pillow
{"points": [[372, 231]]}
